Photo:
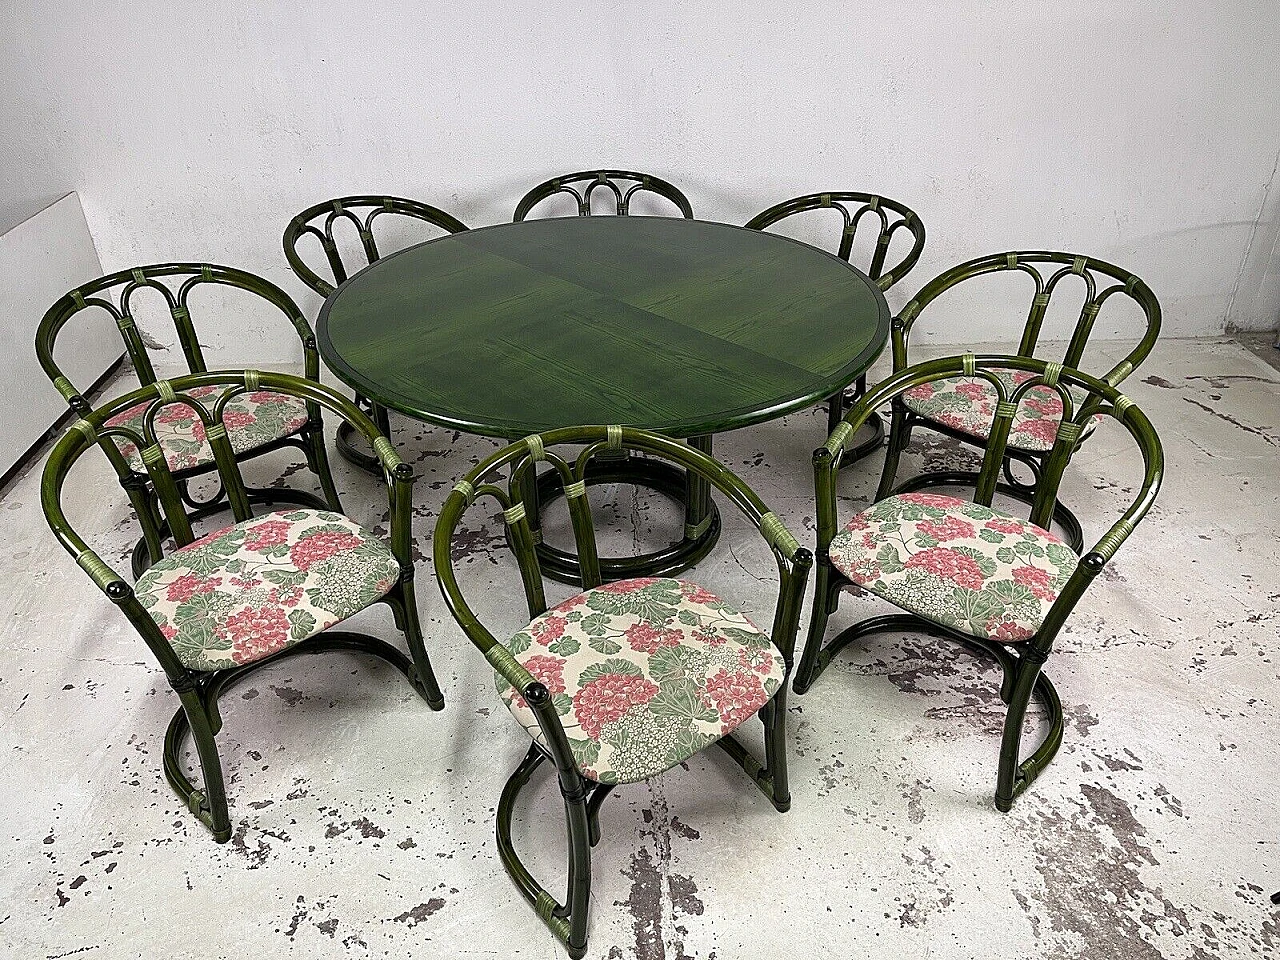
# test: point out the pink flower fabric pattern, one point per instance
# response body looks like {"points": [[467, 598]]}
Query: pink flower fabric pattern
{"points": [[252, 589], [252, 420], [969, 405], [644, 673], [957, 563]]}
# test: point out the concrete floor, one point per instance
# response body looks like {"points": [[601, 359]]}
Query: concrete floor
{"points": [[363, 821]]}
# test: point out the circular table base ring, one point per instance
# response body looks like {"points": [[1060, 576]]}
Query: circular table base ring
{"points": [[663, 478]]}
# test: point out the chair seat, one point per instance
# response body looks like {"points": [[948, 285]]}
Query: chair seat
{"points": [[968, 404], [253, 419], [252, 589], [957, 563], [644, 673]]}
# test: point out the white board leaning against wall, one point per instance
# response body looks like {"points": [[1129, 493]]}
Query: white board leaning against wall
{"points": [[40, 260]]}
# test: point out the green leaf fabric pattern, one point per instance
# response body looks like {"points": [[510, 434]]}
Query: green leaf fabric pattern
{"points": [[969, 567], [249, 590], [252, 419], [968, 404], [644, 673]]}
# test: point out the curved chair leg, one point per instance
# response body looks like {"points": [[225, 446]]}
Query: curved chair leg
{"points": [[404, 606], [209, 804], [199, 716], [774, 716], [568, 921], [899, 435], [1014, 777], [1021, 678], [826, 597]]}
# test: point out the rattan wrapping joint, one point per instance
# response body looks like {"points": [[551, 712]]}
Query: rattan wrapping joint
{"points": [[777, 535]]}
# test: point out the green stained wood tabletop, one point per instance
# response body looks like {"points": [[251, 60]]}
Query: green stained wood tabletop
{"points": [[682, 326]]}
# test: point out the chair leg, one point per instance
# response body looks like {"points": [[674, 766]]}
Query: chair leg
{"points": [[1014, 777], [405, 606], [826, 596], [775, 749], [318, 461], [899, 435], [579, 891], [568, 921], [209, 804]]}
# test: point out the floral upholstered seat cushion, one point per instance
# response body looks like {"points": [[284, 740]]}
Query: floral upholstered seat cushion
{"points": [[968, 404], [955, 562], [644, 673], [253, 419], [249, 590]]}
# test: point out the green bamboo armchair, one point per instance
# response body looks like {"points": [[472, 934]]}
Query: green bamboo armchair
{"points": [[627, 679], [622, 185], [260, 423], [249, 595], [887, 217], [357, 213], [998, 584], [961, 408]]}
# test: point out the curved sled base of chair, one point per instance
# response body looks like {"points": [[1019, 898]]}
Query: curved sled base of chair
{"points": [[568, 921], [1013, 777], [199, 716]]}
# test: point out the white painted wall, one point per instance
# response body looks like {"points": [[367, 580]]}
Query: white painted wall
{"points": [[1146, 133], [40, 260]]}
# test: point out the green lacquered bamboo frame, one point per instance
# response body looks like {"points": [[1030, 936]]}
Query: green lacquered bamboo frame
{"points": [[349, 210], [1096, 296], [1021, 662], [199, 690], [864, 204], [583, 797], [583, 184], [187, 276]]}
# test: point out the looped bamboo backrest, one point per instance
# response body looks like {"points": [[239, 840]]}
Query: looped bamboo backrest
{"points": [[524, 455], [621, 184], [173, 282], [209, 409], [1049, 270], [359, 212], [1082, 396], [887, 217]]}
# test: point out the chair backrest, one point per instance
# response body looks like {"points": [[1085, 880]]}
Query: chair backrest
{"points": [[887, 216], [524, 455], [1082, 398], [115, 294], [621, 184], [360, 212], [92, 430], [1059, 266]]}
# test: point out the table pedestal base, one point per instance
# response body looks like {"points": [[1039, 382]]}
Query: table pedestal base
{"points": [[701, 527]]}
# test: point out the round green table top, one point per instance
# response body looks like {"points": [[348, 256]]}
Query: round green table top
{"points": [[681, 326]]}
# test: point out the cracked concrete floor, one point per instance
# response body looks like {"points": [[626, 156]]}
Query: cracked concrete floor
{"points": [[363, 821]]}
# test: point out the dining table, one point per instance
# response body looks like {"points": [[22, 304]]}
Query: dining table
{"points": [[686, 327]]}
